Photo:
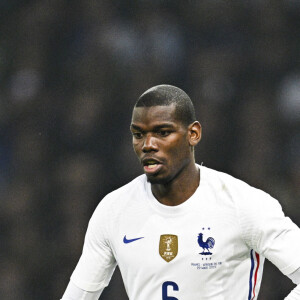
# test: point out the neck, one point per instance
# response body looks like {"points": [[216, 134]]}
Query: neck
{"points": [[180, 188]]}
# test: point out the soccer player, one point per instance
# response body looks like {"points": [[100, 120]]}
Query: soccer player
{"points": [[182, 231]]}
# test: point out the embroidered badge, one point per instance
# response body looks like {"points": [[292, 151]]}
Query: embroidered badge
{"points": [[168, 246], [206, 245]]}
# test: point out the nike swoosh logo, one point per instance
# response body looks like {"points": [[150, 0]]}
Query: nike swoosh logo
{"points": [[127, 241]]}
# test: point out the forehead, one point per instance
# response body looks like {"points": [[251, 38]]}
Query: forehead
{"points": [[154, 115]]}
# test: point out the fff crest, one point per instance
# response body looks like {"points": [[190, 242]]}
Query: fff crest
{"points": [[206, 245], [168, 246]]}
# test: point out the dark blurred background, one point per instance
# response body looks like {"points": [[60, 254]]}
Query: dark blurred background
{"points": [[70, 73]]}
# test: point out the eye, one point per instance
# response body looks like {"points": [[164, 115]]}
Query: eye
{"points": [[137, 135], [164, 133]]}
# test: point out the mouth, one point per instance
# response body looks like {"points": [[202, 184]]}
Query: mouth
{"points": [[151, 166]]}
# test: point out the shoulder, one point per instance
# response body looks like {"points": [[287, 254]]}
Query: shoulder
{"points": [[223, 181], [241, 193], [127, 190], [255, 210], [220, 181], [118, 199]]}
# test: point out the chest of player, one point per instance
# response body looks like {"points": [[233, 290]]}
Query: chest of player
{"points": [[198, 242]]}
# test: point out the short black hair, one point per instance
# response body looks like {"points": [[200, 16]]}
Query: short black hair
{"points": [[165, 95]]}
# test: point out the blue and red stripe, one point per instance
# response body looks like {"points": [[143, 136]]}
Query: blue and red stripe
{"points": [[255, 262]]}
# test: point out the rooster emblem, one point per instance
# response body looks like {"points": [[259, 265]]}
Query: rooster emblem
{"points": [[209, 244]]}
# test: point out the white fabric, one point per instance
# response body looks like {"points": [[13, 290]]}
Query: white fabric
{"points": [[246, 224], [294, 294], [295, 276], [75, 293]]}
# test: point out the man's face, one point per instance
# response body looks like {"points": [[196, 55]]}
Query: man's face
{"points": [[160, 142]]}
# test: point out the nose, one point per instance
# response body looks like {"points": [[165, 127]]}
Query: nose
{"points": [[149, 144]]}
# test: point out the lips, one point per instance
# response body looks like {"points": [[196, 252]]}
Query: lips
{"points": [[151, 165]]}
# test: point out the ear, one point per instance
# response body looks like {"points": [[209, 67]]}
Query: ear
{"points": [[195, 133]]}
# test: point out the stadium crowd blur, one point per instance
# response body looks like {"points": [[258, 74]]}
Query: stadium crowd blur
{"points": [[70, 73]]}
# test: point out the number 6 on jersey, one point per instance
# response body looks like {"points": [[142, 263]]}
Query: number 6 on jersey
{"points": [[165, 290]]}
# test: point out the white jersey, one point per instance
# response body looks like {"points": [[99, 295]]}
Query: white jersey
{"points": [[212, 246]]}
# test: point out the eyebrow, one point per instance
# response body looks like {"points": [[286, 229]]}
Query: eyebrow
{"points": [[157, 127]]}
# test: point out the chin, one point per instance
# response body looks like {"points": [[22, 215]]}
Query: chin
{"points": [[157, 179]]}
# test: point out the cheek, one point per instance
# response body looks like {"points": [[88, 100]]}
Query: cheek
{"points": [[137, 147], [180, 154], [178, 151]]}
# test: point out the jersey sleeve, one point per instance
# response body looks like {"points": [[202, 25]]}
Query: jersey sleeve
{"points": [[268, 231], [97, 263]]}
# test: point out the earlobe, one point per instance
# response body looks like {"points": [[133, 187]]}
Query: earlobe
{"points": [[195, 133]]}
